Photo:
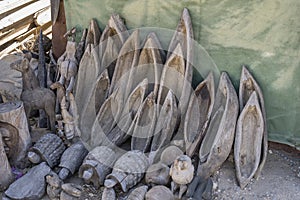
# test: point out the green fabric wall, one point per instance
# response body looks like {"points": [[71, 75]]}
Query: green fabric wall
{"points": [[264, 34]]}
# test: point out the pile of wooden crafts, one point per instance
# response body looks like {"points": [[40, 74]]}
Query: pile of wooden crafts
{"points": [[124, 118]]}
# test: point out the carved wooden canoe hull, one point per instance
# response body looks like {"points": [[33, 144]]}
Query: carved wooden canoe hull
{"points": [[113, 37], [184, 36], [247, 85], [121, 132], [93, 34], [248, 140], [106, 119], [165, 125], [218, 140], [198, 114], [144, 125], [94, 102], [172, 77], [149, 65], [127, 59], [86, 77]]}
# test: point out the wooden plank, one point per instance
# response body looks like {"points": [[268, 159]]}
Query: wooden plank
{"points": [[42, 17], [14, 33], [23, 13], [33, 31], [8, 7]]}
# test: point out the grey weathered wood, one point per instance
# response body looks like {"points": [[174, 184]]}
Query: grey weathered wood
{"points": [[49, 148], [86, 77], [23, 13], [14, 131], [182, 173], [158, 174], [138, 193], [72, 159], [128, 58], [198, 114], [144, 125], [5, 170], [30, 186], [33, 96], [97, 165], [172, 77], [185, 37], [165, 125], [109, 194], [248, 140], [247, 85], [128, 170], [93, 34], [150, 64], [106, 119], [93, 104], [70, 116], [218, 140], [169, 154], [159, 192]]}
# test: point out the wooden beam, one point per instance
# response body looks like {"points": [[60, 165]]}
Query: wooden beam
{"points": [[8, 7], [14, 33], [23, 13]]}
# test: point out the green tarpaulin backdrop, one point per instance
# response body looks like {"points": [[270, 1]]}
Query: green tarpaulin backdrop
{"points": [[262, 34]]}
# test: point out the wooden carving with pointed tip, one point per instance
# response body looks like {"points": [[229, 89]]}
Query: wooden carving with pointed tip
{"points": [[144, 125], [218, 140], [121, 132], [106, 118], [149, 65], [247, 85], [93, 34], [248, 140], [172, 77], [127, 59], [198, 114], [86, 77], [111, 41], [185, 37], [165, 126], [95, 100]]}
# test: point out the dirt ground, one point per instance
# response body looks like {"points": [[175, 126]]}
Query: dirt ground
{"points": [[280, 178]]}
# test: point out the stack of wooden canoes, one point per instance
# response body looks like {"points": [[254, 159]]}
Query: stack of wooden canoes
{"points": [[132, 92], [21, 21]]}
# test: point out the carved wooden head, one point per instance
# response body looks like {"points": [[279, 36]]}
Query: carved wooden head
{"points": [[10, 139]]}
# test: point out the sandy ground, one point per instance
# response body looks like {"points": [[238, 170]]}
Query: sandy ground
{"points": [[280, 178]]}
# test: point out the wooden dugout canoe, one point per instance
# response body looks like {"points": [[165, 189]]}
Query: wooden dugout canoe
{"points": [[218, 140], [198, 114], [149, 65], [144, 125], [121, 132], [165, 125], [247, 85], [93, 104], [106, 118], [113, 37], [127, 59], [248, 140]]}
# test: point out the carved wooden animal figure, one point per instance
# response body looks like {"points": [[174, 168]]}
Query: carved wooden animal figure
{"points": [[182, 173], [32, 95], [60, 93]]}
